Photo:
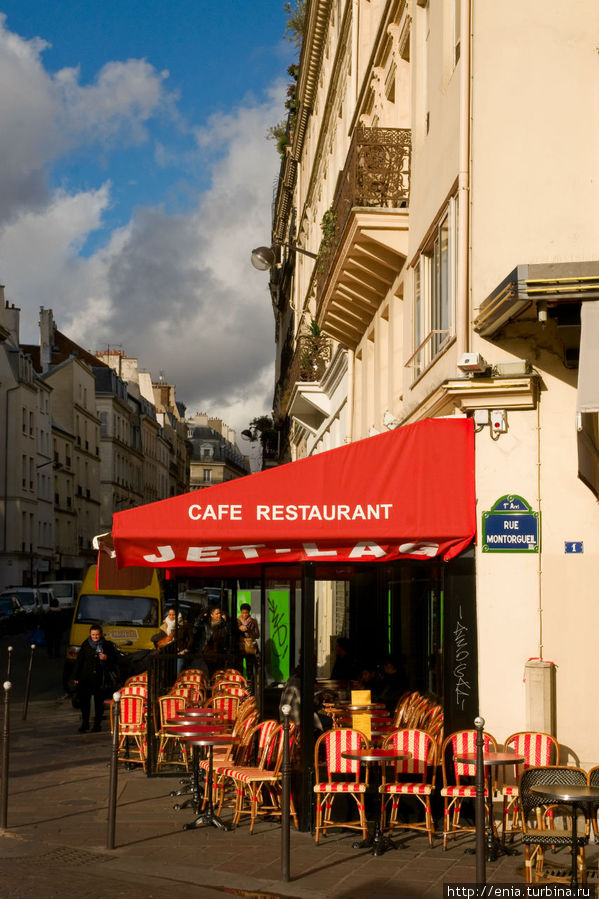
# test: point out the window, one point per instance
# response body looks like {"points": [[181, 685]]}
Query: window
{"points": [[456, 31], [207, 475], [434, 292]]}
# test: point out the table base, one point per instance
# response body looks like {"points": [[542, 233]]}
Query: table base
{"points": [[377, 842], [207, 818]]}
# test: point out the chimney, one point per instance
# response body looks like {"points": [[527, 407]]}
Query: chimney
{"points": [[47, 329], [11, 318]]}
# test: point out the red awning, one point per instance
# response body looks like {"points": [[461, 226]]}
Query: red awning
{"points": [[408, 493]]}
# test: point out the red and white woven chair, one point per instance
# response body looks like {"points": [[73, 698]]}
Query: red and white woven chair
{"points": [[258, 789], [463, 787], [227, 706], [132, 747], [342, 776], [191, 692], [539, 750], [413, 777], [254, 739], [168, 706]]}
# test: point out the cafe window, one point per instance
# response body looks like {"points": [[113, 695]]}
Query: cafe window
{"points": [[434, 291]]}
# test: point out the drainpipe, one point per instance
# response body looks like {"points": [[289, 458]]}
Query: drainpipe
{"points": [[462, 299], [349, 425], [10, 389]]}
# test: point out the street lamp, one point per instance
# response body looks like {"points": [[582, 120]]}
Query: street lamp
{"points": [[264, 258], [57, 465]]}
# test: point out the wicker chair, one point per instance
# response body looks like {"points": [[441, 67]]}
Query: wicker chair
{"points": [[593, 781], [168, 706], [537, 839], [342, 776], [132, 730], [539, 749], [254, 738], [413, 777], [261, 785], [227, 706], [459, 743]]}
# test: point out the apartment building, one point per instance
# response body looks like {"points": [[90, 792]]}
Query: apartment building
{"points": [[215, 456], [457, 271]]}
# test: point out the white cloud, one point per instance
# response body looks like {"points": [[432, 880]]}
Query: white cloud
{"points": [[175, 290], [44, 116]]}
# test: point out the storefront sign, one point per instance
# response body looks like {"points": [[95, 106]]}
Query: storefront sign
{"points": [[510, 527]]}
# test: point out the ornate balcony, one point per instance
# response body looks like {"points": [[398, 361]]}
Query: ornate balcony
{"points": [[365, 232]]}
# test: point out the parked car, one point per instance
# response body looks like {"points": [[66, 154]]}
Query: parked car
{"points": [[13, 617], [32, 599]]}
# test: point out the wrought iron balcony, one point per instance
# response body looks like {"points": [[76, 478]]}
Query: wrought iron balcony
{"points": [[310, 359], [376, 175]]}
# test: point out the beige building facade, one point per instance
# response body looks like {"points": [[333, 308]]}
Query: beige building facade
{"points": [[443, 165]]}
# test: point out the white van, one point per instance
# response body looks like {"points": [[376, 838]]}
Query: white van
{"points": [[32, 599], [66, 592]]}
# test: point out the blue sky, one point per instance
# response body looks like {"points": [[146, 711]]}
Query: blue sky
{"points": [[137, 177]]}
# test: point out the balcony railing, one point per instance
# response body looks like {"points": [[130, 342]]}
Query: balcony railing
{"points": [[377, 175], [310, 359]]}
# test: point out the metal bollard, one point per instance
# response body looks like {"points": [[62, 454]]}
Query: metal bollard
{"points": [[481, 849], [112, 789], [9, 650], [28, 681], [285, 795], [4, 774]]}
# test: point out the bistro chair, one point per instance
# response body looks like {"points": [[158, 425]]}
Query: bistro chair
{"points": [[224, 688], [463, 787], [191, 692], [190, 676], [593, 781], [132, 730], [341, 776], [258, 789], [539, 749], [169, 745], [226, 706], [248, 753], [413, 777], [544, 834]]}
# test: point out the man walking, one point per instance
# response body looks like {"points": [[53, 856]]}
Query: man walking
{"points": [[95, 669]]}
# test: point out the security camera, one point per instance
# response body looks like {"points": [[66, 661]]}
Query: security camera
{"points": [[473, 363]]}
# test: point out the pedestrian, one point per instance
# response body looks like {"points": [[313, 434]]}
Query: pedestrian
{"points": [[95, 675], [53, 625], [249, 633], [217, 638]]}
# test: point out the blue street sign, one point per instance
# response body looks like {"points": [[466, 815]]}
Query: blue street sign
{"points": [[573, 546], [510, 526]]}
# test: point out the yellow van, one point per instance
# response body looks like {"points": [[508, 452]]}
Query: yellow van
{"points": [[128, 617]]}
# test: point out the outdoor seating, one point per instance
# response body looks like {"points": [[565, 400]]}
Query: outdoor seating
{"points": [[456, 744], [224, 688], [195, 676], [260, 786], [254, 739], [544, 833], [593, 781], [192, 693], [225, 705], [413, 777], [132, 730], [342, 777], [538, 749], [168, 706]]}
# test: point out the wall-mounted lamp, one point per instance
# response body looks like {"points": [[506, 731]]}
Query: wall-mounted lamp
{"points": [[264, 258]]}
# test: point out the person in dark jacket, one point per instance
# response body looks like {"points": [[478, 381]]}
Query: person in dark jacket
{"points": [[94, 670]]}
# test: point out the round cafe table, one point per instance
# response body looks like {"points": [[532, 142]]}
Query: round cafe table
{"points": [[209, 740], [490, 760], [574, 796], [376, 841], [178, 727]]}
